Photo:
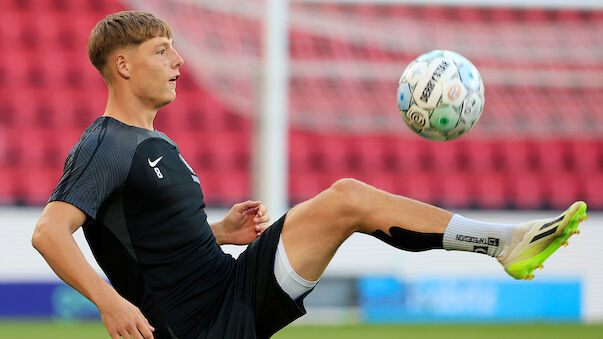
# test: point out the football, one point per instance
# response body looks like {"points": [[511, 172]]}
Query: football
{"points": [[441, 95]]}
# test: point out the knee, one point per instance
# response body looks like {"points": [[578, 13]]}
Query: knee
{"points": [[347, 195], [348, 186]]}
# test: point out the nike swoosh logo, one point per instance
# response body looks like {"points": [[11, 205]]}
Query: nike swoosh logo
{"points": [[154, 163]]}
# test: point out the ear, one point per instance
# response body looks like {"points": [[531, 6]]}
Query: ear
{"points": [[122, 66]]}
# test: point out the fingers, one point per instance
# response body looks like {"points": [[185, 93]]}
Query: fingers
{"points": [[260, 229], [262, 210], [146, 330], [135, 333], [243, 206], [141, 329], [261, 216], [261, 219]]}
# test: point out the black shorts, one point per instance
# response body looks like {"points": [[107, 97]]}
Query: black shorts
{"points": [[254, 306]]}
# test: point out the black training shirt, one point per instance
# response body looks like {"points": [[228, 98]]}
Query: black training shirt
{"points": [[146, 225]]}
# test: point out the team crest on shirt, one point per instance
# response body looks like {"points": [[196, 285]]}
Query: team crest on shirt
{"points": [[193, 175]]}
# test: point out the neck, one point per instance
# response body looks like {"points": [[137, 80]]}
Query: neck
{"points": [[123, 106]]}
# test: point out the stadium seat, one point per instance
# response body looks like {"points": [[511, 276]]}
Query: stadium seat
{"points": [[445, 157], [231, 151], [50, 93], [551, 156], [481, 157], [191, 146], [37, 183], [210, 186], [593, 186], [334, 151], [32, 148], [528, 190], [305, 185], [516, 155], [5, 146], [367, 154], [586, 155], [64, 141], [564, 190], [234, 187], [410, 155], [300, 152], [419, 186], [453, 190], [490, 190], [391, 182], [8, 184]]}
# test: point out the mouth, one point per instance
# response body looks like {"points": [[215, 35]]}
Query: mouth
{"points": [[175, 78]]}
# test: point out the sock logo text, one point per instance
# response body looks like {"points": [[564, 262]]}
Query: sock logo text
{"points": [[487, 241]]}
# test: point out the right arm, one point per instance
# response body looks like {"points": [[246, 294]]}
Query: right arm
{"points": [[54, 240]]}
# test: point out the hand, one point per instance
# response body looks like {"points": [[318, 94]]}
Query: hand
{"points": [[244, 223], [122, 319]]}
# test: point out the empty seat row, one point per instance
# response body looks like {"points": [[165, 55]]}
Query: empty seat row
{"points": [[332, 153], [494, 191], [310, 152]]}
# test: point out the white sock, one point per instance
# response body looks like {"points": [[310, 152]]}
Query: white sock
{"points": [[463, 234]]}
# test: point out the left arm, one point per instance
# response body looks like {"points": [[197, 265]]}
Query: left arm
{"points": [[243, 224]]}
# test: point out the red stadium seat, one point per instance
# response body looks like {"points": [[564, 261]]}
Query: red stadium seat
{"points": [[64, 141], [586, 156], [593, 186], [370, 154], [231, 150], [564, 190], [5, 146], [551, 156], [513, 157], [410, 154], [210, 185], [420, 186], [8, 184], [191, 148], [481, 157], [516, 155], [32, 147], [300, 152], [490, 190], [334, 151], [391, 182], [528, 191], [37, 183], [303, 186], [454, 190], [234, 187], [445, 157]]}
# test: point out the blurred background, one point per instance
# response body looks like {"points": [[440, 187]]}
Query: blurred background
{"points": [[537, 147]]}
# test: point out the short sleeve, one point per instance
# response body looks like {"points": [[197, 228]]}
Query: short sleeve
{"points": [[96, 166]]}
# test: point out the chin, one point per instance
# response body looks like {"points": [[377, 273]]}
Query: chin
{"points": [[166, 101]]}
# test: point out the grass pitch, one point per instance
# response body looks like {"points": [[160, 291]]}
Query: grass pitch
{"points": [[94, 330]]}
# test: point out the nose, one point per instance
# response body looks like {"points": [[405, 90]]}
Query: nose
{"points": [[178, 60]]}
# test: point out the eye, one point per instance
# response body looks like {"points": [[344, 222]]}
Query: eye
{"points": [[161, 51]]}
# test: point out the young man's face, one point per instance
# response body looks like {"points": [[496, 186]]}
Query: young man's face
{"points": [[154, 68]]}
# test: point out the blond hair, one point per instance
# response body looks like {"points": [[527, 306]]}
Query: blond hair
{"points": [[120, 30]]}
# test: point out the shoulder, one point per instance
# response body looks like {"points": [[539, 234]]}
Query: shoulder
{"points": [[166, 138], [106, 141]]}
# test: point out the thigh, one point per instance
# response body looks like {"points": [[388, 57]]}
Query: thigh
{"points": [[312, 233]]}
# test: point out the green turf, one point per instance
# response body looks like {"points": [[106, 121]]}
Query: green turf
{"points": [[539, 331], [93, 330]]}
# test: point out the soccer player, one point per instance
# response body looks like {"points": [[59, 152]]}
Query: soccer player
{"points": [[142, 211]]}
